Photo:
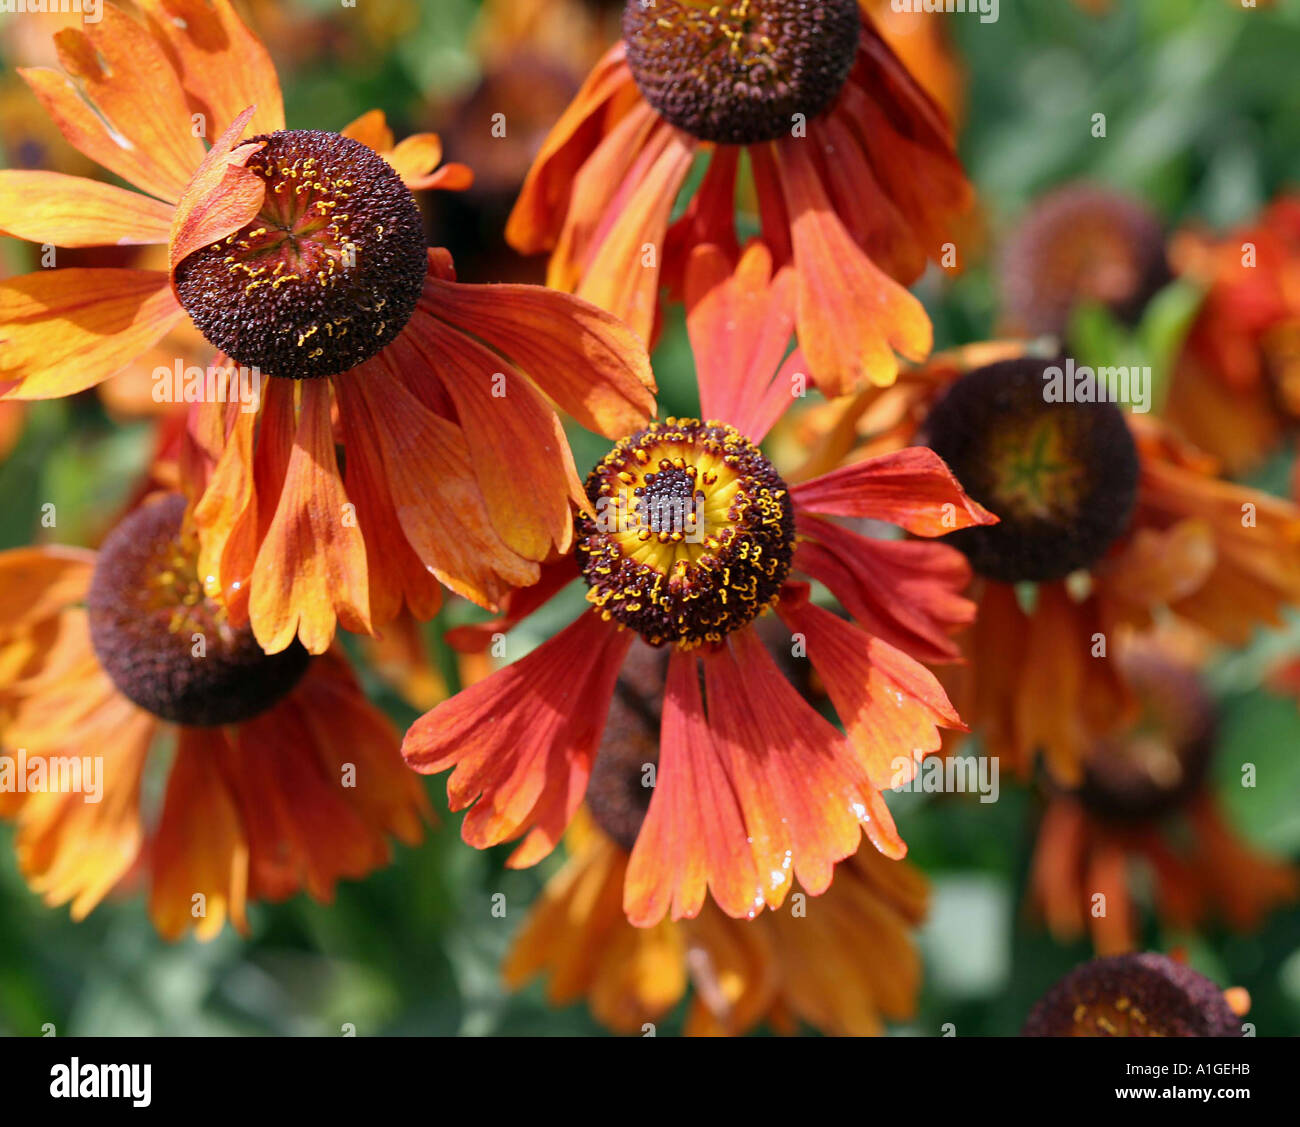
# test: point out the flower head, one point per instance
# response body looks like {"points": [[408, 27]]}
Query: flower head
{"points": [[108, 657], [754, 787], [1145, 995], [850, 163], [299, 254]]}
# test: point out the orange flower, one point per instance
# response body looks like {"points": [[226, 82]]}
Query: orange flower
{"points": [[1144, 802], [694, 536], [840, 965], [300, 255], [283, 777], [1235, 390], [1116, 521], [838, 962], [852, 165]]}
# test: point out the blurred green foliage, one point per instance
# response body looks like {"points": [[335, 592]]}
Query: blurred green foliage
{"points": [[1203, 121]]}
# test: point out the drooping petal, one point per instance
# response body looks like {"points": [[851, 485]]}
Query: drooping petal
{"points": [[522, 741], [416, 159], [911, 488], [619, 274], [804, 797], [199, 848], [433, 488], [890, 705], [395, 572], [70, 211], [852, 316], [544, 199], [693, 836], [907, 592], [592, 366], [356, 746], [133, 118], [740, 325], [521, 458], [223, 67], [71, 850], [62, 331], [311, 566], [303, 833]]}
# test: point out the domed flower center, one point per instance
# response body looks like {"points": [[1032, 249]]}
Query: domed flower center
{"points": [[1154, 768], [623, 773], [1060, 471], [743, 71], [1133, 996], [693, 534], [326, 275], [1083, 244], [166, 645]]}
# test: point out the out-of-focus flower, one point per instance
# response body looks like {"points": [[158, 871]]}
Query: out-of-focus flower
{"points": [[1080, 243], [1235, 390], [694, 536], [1107, 520], [856, 181], [1144, 995], [300, 255], [1144, 805], [283, 777], [840, 962]]}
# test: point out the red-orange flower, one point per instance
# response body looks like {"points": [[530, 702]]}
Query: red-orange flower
{"points": [[1116, 525], [842, 964], [850, 163], [1145, 804], [694, 537], [283, 778], [300, 255], [1235, 390]]}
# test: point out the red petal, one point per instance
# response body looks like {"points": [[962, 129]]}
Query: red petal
{"points": [[911, 488], [522, 740]]}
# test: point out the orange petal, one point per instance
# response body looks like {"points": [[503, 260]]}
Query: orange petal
{"points": [[890, 705], [199, 847], [371, 129], [592, 366], [523, 739], [133, 118], [434, 492], [539, 212], [740, 325], [223, 66], [904, 591], [911, 488], [416, 157], [70, 211], [804, 797], [693, 836], [221, 199], [617, 274], [311, 566], [852, 316], [65, 330], [521, 457]]}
